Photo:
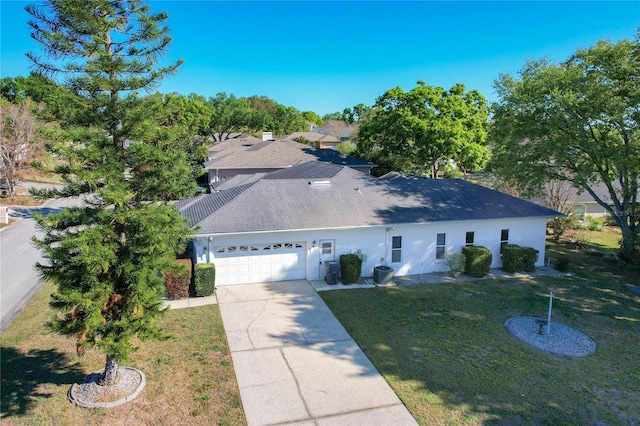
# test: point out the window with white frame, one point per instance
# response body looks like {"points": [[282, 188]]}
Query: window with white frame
{"points": [[469, 238], [441, 245], [396, 249]]}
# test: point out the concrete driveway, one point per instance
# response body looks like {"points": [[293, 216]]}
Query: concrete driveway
{"points": [[295, 363]]}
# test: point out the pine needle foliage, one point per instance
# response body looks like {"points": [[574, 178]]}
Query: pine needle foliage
{"points": [[106, 254]]}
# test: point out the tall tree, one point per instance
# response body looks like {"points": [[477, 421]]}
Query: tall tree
{"points": [[176, 123], [105, 255], [576, 121], [559, 196], [283, 120], [355, 114], [312, 117], [60, 103], [19, 141], [426, 126], [232, 117], [287, 120]]}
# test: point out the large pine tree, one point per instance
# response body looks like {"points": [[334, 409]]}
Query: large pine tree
{"points": [[106, 255]]}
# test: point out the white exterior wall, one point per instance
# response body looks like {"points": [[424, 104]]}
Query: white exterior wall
{"points": [[374, 243]]}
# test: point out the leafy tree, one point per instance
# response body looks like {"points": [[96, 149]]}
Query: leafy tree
{"points": [[312, 117], [59, 102], [105, 256], [346, 148], [283, 120], [355, 114], [287, 120], [426, 126], [576, 121], [263, 103], [19, 141], [231, 117], [386, 162], [338, 116]]}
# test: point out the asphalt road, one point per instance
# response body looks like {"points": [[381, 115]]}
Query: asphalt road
{"points": [[19, 279]]}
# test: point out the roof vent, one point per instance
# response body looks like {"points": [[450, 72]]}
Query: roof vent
{"points": [[319, 182]]}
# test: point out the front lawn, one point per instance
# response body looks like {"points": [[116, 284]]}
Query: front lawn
{"points": [[190, 379], [445, 351]]}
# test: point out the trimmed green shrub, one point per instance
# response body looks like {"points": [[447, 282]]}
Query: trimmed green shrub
{"points": [[350, 268], [477, 261], [205, 279], [516, 258], [178, 279], [456, 262], [561, 263], [595, 223]]}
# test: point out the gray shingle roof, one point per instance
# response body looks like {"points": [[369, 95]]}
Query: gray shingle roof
{"points": [[280, 153], [313, 136], [342, 197], [200, 208]]}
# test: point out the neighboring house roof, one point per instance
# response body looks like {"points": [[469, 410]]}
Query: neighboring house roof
{"points": [[313, 137], [578, 196], [279, 153], [346, 134], [317, 195]]}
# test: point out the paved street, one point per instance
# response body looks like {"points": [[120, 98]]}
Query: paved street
{"points": [[19, 280]]}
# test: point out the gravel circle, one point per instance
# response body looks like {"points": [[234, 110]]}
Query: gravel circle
{"points": [[92, 395], [563, 340]]}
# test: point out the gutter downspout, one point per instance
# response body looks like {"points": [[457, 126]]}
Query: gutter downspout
{"points": [[386, 247]]}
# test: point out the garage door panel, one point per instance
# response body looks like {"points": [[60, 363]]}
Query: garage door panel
{"points": [[260, 263]]}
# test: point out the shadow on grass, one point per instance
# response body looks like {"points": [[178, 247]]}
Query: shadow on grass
{"points": [[24, 373], [446, 350]]}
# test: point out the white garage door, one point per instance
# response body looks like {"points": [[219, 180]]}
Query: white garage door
{"points": [[260, 262]]}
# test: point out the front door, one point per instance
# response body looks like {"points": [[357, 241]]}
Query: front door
{"points": [[327, 252]]}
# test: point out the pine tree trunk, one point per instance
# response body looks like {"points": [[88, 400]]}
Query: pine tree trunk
{"points": [[110, 375]]}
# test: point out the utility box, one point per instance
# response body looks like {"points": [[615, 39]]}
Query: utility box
{"points": [[332, 272], [383, 275], [4, 214]]}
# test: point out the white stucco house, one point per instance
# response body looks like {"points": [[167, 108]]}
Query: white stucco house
{"points": [[286, 224]]}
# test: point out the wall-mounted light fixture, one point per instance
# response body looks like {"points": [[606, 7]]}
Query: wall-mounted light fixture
{"points": [[204, 251], [313, 244]]}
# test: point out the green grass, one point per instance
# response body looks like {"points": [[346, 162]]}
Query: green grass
{"points": [[606, 241], [190, 379], [445, 351]]}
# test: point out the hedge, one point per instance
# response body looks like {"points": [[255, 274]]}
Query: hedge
{"points": [[477, 261], [205, 279], [350, 268], [178, 279], [516, 258], [561, 263]]}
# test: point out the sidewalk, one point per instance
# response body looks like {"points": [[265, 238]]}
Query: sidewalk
{"points": [[295, 363]]}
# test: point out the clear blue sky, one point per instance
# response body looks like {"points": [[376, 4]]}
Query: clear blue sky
{"points": [[324, 56]]}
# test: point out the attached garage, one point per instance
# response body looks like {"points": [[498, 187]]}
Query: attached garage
{"points": [[252, 263]]}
